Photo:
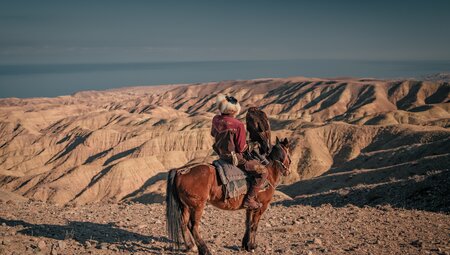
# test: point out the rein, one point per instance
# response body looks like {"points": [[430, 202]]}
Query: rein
{"points": [[285, 168]]}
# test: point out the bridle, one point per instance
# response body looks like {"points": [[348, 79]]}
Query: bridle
{"points": [[285, 169]]}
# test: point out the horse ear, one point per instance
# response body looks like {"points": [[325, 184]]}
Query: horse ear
{"points": [[277, 140], [285, 143]]}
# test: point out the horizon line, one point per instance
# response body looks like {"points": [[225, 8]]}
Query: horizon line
{"points": [[220, 60]]}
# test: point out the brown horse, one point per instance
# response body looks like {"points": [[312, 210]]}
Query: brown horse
{"points": [[189, 191]]}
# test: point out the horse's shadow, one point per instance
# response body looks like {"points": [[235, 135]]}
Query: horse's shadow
{"points": [[88, 231]]}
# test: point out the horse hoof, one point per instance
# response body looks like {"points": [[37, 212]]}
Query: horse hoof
{"points": [[193, 249], [204, 251], [250, 247]]}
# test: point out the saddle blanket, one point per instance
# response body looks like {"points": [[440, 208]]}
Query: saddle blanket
{"points": [[234, 180]]}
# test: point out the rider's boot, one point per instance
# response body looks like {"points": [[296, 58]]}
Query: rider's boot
{"points": [[250, 199]]}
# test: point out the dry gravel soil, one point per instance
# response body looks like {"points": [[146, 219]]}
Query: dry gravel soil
{"points": [[39, 228]]}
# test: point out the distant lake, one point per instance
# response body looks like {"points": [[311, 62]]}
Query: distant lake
{"points": [[64, 79]]}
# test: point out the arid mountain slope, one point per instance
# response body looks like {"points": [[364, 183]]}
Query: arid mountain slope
{"points": [[117, 144]]}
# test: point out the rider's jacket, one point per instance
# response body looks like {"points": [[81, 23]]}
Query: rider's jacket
{"points": [[229, 135]]}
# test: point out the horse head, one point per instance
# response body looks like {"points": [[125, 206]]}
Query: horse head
{"points": [[280, 156]]}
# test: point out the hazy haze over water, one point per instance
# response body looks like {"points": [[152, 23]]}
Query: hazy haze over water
{"points": [[64, 79]]}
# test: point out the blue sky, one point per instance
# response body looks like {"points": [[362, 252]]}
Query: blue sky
{"points": [[45, 32]]}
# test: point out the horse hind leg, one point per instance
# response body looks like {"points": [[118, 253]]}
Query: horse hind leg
{"points": [[196, 215], [185, 224]]}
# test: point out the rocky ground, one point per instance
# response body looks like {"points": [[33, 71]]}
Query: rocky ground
{"points": [[133, 228]]}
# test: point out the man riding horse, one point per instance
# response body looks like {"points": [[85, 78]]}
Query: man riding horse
{"points": [[230, 144], [189, 189]]}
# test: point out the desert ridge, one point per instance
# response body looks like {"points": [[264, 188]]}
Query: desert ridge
{"points": [[113, 145]]}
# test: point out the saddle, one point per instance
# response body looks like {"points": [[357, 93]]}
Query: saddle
{"points": [[235, 181]]}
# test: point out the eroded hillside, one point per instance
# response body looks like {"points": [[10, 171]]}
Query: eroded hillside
{"points": [[117, 144]]}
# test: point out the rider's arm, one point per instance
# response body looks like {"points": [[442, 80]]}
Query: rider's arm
{"points": [[213, 131], [241, 143]]}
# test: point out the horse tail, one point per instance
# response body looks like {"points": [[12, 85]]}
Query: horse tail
{"points": [[173, 210]]}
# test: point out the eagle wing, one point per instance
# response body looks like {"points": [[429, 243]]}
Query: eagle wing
{"points": [[258, 127]]}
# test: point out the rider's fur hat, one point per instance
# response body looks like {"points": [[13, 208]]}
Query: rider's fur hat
{"points": [[228, 105]]}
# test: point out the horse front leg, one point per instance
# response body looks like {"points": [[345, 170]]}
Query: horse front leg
{"points": [[253, 228], [196, 215], [248, 220]]}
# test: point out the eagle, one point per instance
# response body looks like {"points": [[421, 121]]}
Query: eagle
{"points": [[258, 127]]}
